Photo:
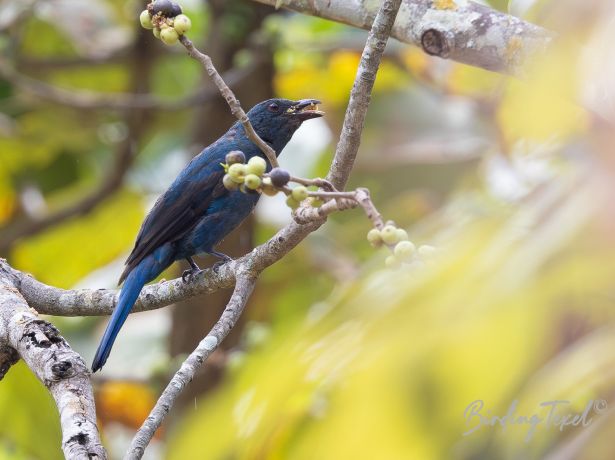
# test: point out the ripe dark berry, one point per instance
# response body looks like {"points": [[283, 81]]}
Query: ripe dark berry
{"points": [[235, 156], [167, 8], [279, 177]]}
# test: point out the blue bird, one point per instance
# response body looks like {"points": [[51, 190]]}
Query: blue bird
{"points": [[197, 211]]}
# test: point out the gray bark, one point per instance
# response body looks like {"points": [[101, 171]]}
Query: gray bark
{"points": [[459, 30]]}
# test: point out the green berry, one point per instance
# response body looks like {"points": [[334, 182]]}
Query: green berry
{"points": [[237, 172], [389, 234], [229, 183], [316, 202], [374, 237], [427, 251], [146, 20], [182, 24], [392, 262], [279, 177], [404, 250], [257, 166], [299, 193], [291, 202], [402, 235], [169, 36], [268, 188], [252, 181], [235, 156], [156, 32]]}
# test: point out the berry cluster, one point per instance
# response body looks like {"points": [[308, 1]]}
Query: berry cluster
{"points": [[397, 240], [251, 177], [166, 20]]}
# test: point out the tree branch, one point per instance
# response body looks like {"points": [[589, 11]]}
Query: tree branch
{"points": [[185, 374], [350, 138], [460, 30], [56, 365]]}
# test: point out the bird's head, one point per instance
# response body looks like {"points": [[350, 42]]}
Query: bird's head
{"points": [[276, 120]]}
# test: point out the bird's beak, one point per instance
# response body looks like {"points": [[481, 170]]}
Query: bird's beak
{"points": [[306, 109]]}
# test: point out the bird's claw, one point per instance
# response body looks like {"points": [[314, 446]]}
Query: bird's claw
{"points": [[219, 264], [188, 275]]}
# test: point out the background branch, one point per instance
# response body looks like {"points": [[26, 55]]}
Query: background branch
{"points": [[466, 32], [127, 150], [82, 99]]}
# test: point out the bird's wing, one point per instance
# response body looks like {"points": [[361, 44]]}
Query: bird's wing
{"points": [[175, 213]]}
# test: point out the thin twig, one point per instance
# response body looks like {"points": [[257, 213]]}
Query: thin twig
{"points": [[187, 371], [230, 98], [318, 182]]}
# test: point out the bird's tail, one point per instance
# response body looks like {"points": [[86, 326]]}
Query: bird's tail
{"points": [[135, 281]]}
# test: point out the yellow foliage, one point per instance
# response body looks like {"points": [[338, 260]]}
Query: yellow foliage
{"points": [[128, 403], [332, 81], [66, 253], [387, 367], [465, 79], [415, 59], [7, 201], [541, 107]]}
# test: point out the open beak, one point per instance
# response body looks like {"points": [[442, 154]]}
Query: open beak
{"points": [[306, 109]]}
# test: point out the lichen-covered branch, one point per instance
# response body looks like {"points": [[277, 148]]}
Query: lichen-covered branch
{"points": [[25, 335], [187, 371], [460, 30]]}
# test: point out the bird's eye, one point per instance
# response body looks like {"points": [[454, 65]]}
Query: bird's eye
{"points": [[273, 107]]}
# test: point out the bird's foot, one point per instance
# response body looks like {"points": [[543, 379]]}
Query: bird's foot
{"points": [[189, 275], [223, 259]]}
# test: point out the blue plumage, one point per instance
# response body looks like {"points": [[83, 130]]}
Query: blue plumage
{"points": [[197, 212]]}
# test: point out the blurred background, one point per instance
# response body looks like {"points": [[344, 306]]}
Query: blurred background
{"points": [[511, 179]]}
